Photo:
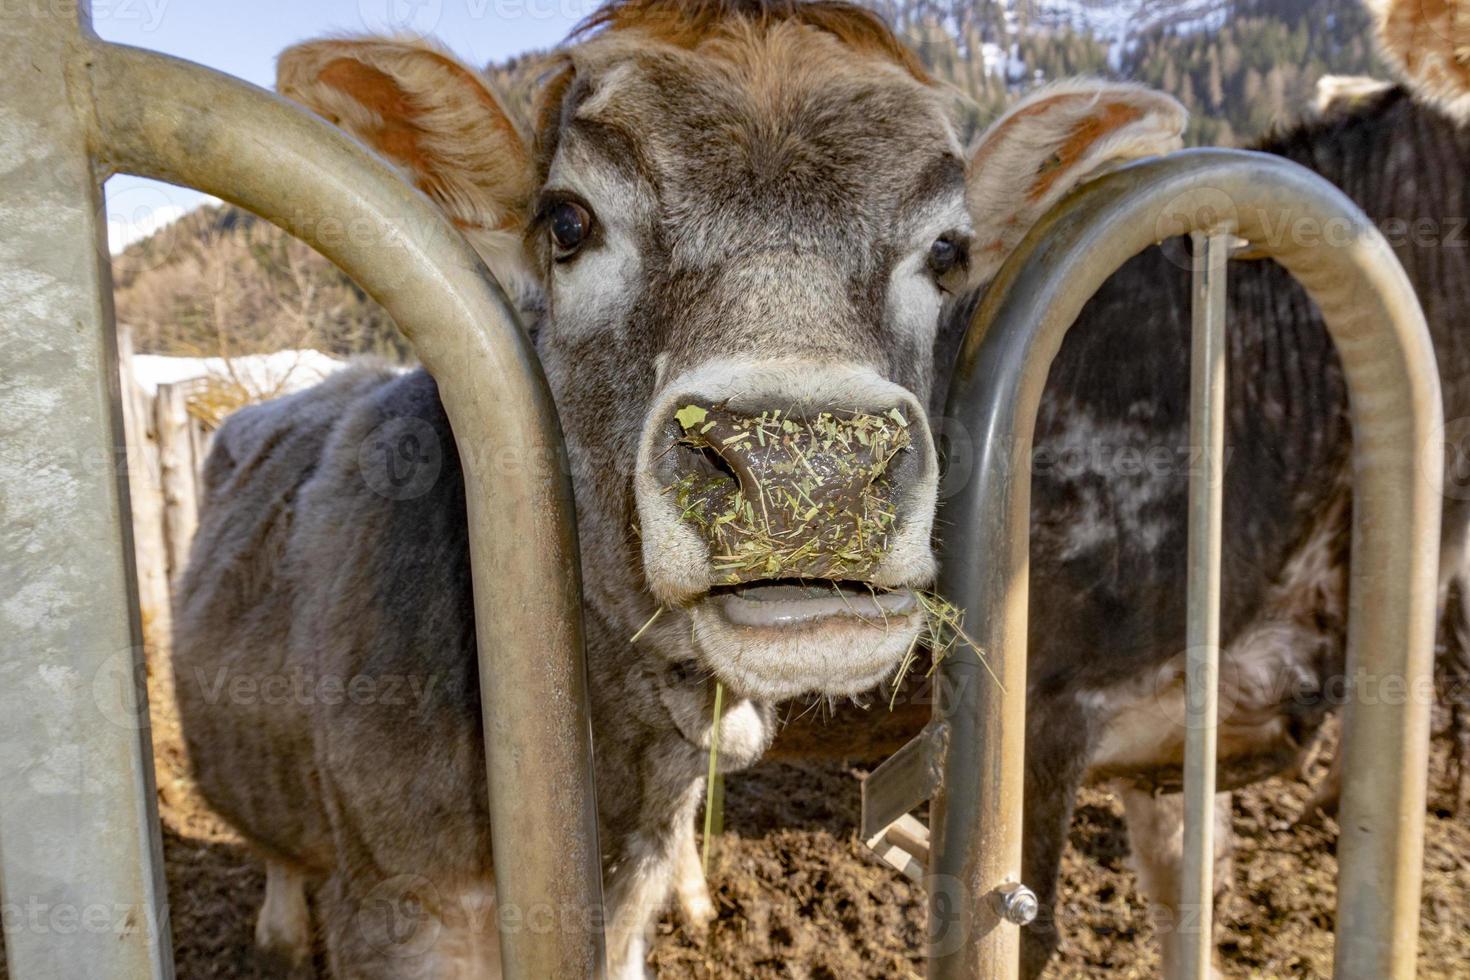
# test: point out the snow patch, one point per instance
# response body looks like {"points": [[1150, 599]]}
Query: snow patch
{"points": [[267, 374]]}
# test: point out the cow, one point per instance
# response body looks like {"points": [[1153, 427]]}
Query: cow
{"points": [[744, 217], [1110, 483]]}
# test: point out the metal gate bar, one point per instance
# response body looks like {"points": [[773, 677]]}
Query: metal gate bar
{"points": [[1374, 320], [1202, 637], [155, 116]]}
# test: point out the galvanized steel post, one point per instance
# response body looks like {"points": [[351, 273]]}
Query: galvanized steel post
{"points": [[80, 866], [1375, 322], [1194, 934], [143, 113]]}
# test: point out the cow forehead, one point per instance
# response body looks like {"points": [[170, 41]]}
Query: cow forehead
{"points": [[785, 134]]}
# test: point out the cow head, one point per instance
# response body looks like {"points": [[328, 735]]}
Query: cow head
{"points": [[734, 230], [1428, 41]]}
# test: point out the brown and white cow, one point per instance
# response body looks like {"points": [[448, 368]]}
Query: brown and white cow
{"points": [[744, 205]]}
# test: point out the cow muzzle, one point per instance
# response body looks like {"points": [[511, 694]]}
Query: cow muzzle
{"points": [[789, 508]]}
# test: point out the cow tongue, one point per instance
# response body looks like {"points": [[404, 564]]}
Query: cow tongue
{"points": [[794, 605]]}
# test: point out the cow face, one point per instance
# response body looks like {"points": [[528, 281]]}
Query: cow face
{"points": [[735, 237]]}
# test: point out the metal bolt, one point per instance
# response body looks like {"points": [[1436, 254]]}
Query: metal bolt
{"points": [[1018, 904]]}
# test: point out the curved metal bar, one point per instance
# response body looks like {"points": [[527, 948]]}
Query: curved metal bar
{"points": [[160, 117], [1375, 321]]}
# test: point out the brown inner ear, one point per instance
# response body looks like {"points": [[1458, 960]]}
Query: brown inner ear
{"points": [[996, 138], [396, 135], [1112, 117]]}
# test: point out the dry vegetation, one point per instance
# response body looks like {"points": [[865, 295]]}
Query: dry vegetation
{"points": [[221, 282]]}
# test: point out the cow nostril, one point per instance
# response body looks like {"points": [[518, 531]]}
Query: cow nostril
{"points": [[787, 494], [704, 461]]}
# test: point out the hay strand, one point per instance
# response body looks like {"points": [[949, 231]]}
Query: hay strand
{"points": [[943, 631], [815, 505]]}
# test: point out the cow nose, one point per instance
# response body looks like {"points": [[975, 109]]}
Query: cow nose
{"points": [[793, 493]]}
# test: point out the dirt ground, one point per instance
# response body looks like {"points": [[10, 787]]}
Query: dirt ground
{"points": [[799, 896]]}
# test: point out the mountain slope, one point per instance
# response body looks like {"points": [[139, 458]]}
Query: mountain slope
{"points": [[1239, 66], [1125, 20]]}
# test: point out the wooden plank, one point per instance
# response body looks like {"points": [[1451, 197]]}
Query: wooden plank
{"points": [[145, 491], [177, 474]]}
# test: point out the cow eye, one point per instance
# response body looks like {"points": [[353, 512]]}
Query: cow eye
{"points": [[570, 225], [945, 255]]}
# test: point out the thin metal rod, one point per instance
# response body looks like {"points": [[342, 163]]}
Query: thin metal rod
{"points": [[1388, 363], [1193, 938], [81, 866], [163, 118]]}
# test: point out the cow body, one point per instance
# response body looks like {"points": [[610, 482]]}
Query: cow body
{"points": [[369, 775], [366, 627]]}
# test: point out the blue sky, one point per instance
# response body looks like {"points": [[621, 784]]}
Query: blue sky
{"points": [[243, 37]]}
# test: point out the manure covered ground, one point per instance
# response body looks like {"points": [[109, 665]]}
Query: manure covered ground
{"points": [[800, 897]]}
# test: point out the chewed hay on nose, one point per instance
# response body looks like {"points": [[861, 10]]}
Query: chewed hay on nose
{"points": [[785, 495]]}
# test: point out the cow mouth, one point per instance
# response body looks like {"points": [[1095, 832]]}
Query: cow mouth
{"points": [[773, 639], [800, 603]]}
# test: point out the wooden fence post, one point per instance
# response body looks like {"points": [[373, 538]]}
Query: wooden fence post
{"points": [[146, 499], [178, 474]]}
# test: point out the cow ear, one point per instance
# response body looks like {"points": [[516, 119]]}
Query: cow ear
{"points": [[1048, 144], [439, 122], [1428, 42]]}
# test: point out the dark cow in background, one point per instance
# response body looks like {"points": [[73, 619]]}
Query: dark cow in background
{"points": [[1109, 531], [1110, 490]]}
